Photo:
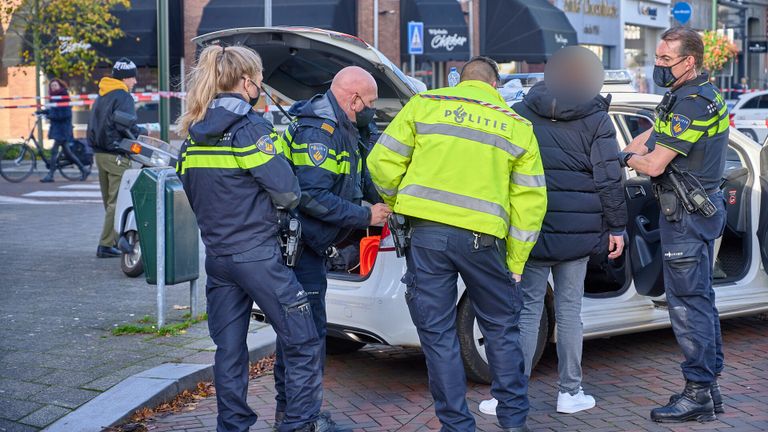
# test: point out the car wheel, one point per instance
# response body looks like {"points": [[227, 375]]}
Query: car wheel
{"points": [[750, 133], [334, 345], [472, 342], [131, 263]]}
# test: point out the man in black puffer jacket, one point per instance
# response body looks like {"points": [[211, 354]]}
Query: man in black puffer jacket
{"points": [[104, 135], [586, 211]]}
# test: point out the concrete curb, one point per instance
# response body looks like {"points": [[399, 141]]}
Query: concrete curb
{"points": [[150, 388]]}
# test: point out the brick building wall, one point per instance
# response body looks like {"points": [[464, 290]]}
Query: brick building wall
{"points": [[16, 122], [389, 26]]}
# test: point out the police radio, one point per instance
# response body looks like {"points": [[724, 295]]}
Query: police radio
{"points": [[692, 193], [665, 106], [289, 234]]}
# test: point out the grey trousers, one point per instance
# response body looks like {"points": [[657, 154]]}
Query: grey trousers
{"points": [[569, 290]]}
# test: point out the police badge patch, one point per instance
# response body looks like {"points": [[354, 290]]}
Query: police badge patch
{"points": [[266, 145], [318, 153], [679, 124]]}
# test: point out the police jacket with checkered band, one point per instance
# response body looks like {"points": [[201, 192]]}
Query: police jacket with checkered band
{"points": [[327, 154], [235, 175], [696, 127]]}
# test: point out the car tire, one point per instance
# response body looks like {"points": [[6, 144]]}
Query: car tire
{"points": [[131, 263], [470, 341], [750, 133], [334, 345]]}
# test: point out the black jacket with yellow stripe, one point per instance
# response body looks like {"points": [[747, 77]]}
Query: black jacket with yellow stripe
{"points": [[235, 174], [327, 154]]}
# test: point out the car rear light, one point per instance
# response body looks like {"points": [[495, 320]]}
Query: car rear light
{"points": [[730, 117], [387, 243], [385, 231]]}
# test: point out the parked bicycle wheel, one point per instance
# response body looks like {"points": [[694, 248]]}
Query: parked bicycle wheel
{"points": [[16, 162]]}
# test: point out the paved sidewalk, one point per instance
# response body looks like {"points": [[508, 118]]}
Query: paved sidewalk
{"points": [[385, 389], [58, 305]]}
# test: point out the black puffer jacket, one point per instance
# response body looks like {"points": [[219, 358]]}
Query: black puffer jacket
{"points": [[585, 198], [103, 134]]}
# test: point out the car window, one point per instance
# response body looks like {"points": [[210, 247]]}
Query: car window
{"points": [[752, 103], [632, 125], [763, 102]]}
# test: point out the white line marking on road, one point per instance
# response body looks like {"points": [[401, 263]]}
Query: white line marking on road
{"points": [[14, 200], [81, 186], [64, 194]]}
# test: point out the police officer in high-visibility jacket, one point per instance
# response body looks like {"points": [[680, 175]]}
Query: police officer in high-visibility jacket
{"points": [[235, 176], [466, 171], [690, 136]]}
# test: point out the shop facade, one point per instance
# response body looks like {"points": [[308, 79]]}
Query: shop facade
{"points": [[644, 22], [598, 27]]}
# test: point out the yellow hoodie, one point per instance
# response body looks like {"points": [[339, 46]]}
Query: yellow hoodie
{"points": [[108, 84]]}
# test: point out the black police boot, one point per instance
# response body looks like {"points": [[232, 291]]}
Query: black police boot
{"points": [[322, 424], [714, 391], [523, 428], [107, 252], [695, 403]]}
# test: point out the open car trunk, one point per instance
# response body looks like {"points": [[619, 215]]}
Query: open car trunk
{"points": [[300, 62]]}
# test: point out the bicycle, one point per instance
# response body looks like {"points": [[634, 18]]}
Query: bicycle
{"points": [[18, 161]]}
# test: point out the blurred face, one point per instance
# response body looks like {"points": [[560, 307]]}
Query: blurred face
{"points": [[54, 86], [130, 82]]}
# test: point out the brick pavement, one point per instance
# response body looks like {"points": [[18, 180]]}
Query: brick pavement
{"points": [[385, 389]]}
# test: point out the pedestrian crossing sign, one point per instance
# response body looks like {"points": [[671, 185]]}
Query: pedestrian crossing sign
{"points": [[415, 37]]}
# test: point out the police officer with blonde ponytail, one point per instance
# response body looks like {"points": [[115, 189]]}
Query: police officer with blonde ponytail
{"points": [[236, 177]]}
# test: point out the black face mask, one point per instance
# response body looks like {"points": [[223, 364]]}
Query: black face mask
{"points": [[663, 76], [253, 101], [364, 116]]}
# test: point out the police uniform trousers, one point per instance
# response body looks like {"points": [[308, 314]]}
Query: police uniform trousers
{"points": [[311, 273], [687, 251], [233, 282], [437, 255]]}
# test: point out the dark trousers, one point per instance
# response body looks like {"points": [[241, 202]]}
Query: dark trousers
{"points": [[687, 250], [233, 282], [64, 145], [311, 273], [437, 255]]}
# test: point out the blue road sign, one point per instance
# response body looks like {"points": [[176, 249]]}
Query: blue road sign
{"points": [[415, 37], [682, 12]]}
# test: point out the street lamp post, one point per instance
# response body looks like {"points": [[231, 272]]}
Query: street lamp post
{"points": [[163, 67]]}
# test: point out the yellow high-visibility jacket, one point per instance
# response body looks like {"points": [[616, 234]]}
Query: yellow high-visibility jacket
{"points": [[460, 157]]}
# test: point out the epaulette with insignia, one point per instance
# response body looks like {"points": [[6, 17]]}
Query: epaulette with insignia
{"points": [[328, 128]]}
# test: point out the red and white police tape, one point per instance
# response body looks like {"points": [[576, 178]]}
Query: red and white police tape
{"points": [[85, 99]]}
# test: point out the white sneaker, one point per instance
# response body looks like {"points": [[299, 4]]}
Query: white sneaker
{"points": [[489, 406], [568, 404]]}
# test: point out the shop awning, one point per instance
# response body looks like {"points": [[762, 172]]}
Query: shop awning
{"points": [[337, 15], [139, 23], [516, 30], [445, 29]]}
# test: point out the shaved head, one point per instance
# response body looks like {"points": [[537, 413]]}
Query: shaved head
{"points": [[481, 69], [354, 89]]}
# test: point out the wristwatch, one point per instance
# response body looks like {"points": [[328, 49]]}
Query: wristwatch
{"points": [[624, 158]]}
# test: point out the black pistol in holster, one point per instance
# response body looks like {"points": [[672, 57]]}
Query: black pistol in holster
{"points": [[290, 236], [398, 226]]}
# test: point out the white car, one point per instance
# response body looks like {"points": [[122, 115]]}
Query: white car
{"points": [[622, 296], [750, 115]]}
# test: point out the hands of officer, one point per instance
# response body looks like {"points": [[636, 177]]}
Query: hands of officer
{"points": [[615, 246], [379, 213], [517, 277]]}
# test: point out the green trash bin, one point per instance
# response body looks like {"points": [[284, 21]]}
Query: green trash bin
{"points": [[181, 232]]}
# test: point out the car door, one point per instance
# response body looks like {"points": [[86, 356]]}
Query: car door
{"points": [[644, 246], [762, 227]]}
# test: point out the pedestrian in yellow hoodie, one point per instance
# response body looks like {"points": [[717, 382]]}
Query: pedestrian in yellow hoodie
{"points": [[104, 136]]}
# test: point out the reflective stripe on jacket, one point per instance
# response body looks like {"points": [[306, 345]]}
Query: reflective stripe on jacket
{"points": [[458, 156]]}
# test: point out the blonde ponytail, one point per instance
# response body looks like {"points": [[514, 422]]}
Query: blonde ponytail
{"points": [[218, 70]]}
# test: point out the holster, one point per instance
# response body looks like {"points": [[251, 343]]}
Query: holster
{"points": [[401, 233], [669, 203], [289, 234]]}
